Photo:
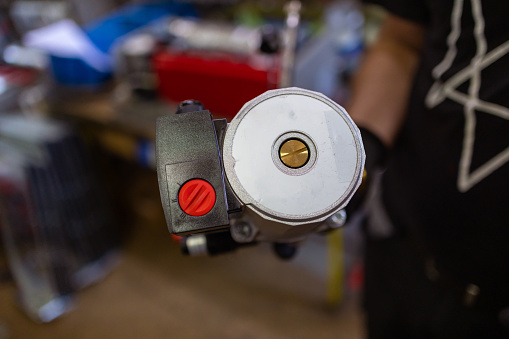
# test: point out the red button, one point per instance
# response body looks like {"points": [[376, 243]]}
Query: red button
{"points": [[197, 197]]}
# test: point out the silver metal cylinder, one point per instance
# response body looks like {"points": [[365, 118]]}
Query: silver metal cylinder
{"points": [[293, 157], [197, 245]]}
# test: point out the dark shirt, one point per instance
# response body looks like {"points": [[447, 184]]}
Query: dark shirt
{"points": [[447, 181]]}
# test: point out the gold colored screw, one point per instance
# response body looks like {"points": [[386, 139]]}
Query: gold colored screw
{"points": [[294, 153]]}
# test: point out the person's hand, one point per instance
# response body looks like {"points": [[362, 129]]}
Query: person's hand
{"points": [[376, 154]]}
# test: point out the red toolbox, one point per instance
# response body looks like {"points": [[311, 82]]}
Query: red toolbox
{"points": [[222, 82]]}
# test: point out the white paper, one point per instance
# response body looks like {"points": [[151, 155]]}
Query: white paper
{"points": [[66, 39]]}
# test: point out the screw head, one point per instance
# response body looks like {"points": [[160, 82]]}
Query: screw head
{"points": [[242, 232], [294, 153], [338, 219]]}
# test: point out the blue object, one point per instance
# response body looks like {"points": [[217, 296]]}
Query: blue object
{"points": [[145, 153], [103, 34], [73, 71]]}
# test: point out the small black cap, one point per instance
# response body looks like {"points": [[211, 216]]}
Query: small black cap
{"points": [[188, 106], [285, 251]]}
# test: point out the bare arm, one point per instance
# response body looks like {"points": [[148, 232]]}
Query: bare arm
{"points": [[382, 85]]}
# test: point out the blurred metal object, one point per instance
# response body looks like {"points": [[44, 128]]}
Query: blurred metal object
{"points": [[54, 219], [292, 9], [18, 55], [196, 245], [189, 106], [210, 244], [134, 63], [243, 232], [337, 219], [325, 62], [203, 35], [30, 263], [213, 36]]}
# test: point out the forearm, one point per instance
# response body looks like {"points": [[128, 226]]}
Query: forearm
{"points": [[382, 85]]}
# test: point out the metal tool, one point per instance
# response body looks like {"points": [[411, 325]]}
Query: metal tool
{"points": [[286, 166]]}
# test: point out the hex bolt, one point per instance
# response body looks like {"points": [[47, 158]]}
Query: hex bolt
{"points": [[338, 219], [187, 106], [242, 232]]}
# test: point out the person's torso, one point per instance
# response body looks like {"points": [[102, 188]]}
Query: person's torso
{"points": [[449, 174]]}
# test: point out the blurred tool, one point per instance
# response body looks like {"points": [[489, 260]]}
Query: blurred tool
{"points": [[326, 62], [286, 166], [134, 64], [292, 9], [56, 227], [214, 36]]}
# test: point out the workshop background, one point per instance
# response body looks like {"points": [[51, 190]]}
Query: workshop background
{"points": [[84, 250]]}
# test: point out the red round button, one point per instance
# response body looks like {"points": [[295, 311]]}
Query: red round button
{"points": [[197, 197]]}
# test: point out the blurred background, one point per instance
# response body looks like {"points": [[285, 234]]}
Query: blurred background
{"points": [[84, 250]]}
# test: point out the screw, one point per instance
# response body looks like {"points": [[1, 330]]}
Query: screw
{"points": [[338, 219], [187, 106], [294, 153], [242, 232]]}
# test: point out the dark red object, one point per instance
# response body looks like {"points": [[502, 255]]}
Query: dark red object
{"points": [[176, 238], [223, 83], [197, 197], [18, 76]]}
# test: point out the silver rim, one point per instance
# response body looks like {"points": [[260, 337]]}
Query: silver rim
{"points": [[245, 197]]}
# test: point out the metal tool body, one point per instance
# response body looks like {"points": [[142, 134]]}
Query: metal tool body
{"points": [[289, 161]]}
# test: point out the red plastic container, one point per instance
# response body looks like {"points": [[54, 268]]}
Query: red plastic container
{"points": [[223, 83]]}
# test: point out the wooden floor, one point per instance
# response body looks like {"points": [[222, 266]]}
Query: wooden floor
{"points": [[154, 292]]}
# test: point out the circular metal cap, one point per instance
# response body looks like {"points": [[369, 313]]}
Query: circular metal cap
{"points": [[293, 156], [294, 153], [197, 197]]}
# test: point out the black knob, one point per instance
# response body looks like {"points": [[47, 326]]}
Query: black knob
{"points": [[285, 251], [270, 42], [187, 106]]}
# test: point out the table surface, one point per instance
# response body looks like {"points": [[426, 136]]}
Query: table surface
{"points": [[155, 292]]}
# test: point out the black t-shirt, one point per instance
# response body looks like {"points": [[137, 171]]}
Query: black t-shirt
{"points": [[448, 176]]}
